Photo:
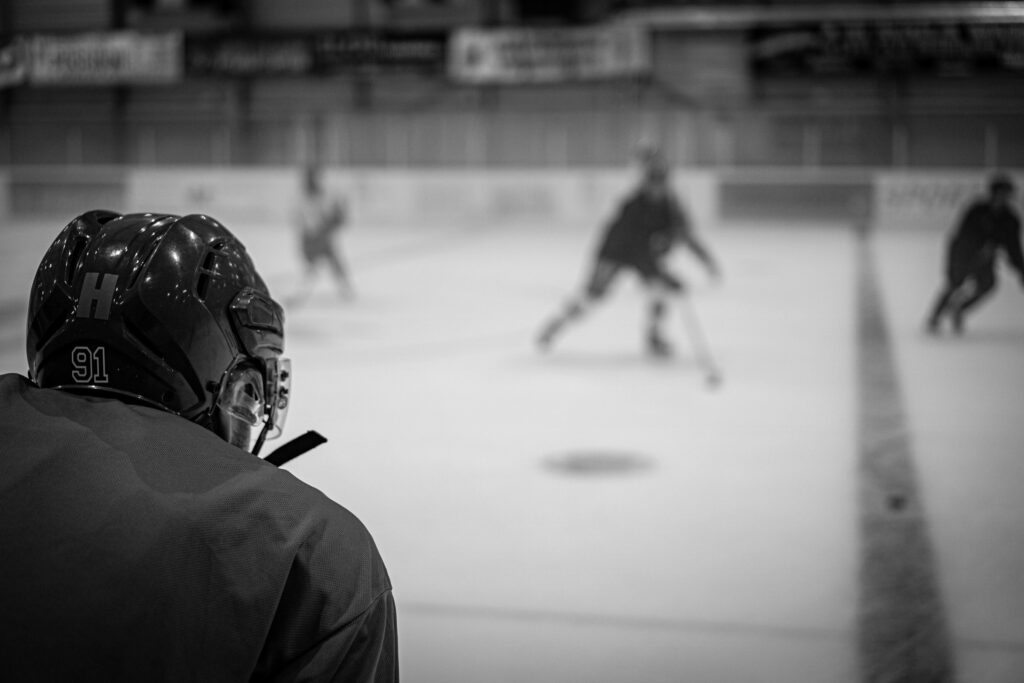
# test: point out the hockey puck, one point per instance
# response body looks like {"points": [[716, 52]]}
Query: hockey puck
{"points": [[713, 380], [598, 461]]}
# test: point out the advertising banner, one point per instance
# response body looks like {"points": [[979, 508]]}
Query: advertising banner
{"points": [[548, 55], [248, 56], [340, 50], [925, 200], [312, 53], [104, 58], [13, 64], [874, 47]]}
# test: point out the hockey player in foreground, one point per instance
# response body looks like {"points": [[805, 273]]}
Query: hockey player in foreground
{"points": [[648, 224], [988, 225], [142, 539]]}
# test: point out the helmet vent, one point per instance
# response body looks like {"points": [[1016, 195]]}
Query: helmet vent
{"points": [[142, 259], [140, 263], [74, 258], [206, 271]]}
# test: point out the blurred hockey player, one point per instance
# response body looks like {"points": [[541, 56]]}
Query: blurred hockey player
{"points": [[989, 224], [648, 224], [318, 217], [143, 539]]}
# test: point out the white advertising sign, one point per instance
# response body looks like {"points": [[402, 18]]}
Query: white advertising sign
{"points": [[105, 58], [12, 65], [548, 55]]}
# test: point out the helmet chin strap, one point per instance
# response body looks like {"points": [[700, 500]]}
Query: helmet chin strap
{"points": [[261, 438]]}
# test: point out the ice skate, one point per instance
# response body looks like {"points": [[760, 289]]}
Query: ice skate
{"points": [[958, 321], [346, 292], [658, 347]]}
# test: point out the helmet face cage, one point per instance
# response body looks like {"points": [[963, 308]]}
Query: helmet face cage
{"points": [[258, 322], [155, 309], [279, 388], [252, 404], [240, 406]]}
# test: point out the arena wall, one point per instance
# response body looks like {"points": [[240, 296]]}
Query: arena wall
{"points": [[5, 201], [558, 197], [375, 196], [928, 201]]}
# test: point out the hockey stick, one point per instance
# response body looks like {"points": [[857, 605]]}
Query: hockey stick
{"points": [[295, 448], [699, 341]]}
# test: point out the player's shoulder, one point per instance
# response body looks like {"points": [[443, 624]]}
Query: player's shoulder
{"points": [[23, 404], [329, 540], [976, 209], [169, 454], [278, 493], [243, 493], [296, 497], [637, 200], [11, 382], [12, 387]]}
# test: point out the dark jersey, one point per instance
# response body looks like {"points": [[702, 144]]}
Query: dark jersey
{"points": [[643, 230], [138, 546], [318, 216], [981, 233]]}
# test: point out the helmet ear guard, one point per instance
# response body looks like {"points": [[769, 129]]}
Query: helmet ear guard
{"points": [[258, 321]]}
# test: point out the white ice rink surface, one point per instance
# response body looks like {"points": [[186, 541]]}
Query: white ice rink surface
{"points": [[725, 545]]}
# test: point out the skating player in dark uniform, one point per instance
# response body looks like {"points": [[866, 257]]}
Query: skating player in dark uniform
{"points": [[140, 538], [989, 225], [648, 224], [319, 216]]}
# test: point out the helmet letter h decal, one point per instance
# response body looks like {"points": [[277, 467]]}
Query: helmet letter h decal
{"points": [[102, 295]]}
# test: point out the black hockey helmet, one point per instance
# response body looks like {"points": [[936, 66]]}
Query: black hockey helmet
{"points": [[653, 163], [1001, 182], [656, 171], [162, 310]]}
